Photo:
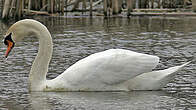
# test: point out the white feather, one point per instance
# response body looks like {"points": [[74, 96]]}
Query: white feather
{"points": [[107, 68], [154, 80], [110, 70]]}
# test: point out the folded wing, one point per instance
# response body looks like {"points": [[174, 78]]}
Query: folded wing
{"points": [[109, 67]]}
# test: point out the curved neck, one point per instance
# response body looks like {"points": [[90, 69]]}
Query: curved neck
{"points": [[39, 68]]}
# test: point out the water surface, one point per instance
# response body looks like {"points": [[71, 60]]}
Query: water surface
{"points": [[172, 39]]}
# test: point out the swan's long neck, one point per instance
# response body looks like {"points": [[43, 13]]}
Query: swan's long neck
{"points": [[39, 68]]}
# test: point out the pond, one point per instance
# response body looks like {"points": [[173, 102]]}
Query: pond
{"points": [[173, 39]]}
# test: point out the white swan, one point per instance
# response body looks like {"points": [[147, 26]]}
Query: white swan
{"points": [[110, 70]]}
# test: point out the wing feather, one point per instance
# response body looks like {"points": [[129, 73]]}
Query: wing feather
{"points": [[109, 67]]}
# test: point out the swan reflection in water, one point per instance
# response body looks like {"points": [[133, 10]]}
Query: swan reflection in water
{"points": [[147, 100]]}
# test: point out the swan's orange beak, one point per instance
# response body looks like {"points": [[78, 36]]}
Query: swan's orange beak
{"points": [[10, 45]]}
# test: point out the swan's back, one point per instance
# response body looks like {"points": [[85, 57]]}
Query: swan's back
{"points": [[105, 68]]}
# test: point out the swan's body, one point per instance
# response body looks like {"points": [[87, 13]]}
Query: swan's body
{"points": [[110, 70]]}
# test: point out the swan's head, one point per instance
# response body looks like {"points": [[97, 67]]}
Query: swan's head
{"points": [[19, 30], [10, 44]]}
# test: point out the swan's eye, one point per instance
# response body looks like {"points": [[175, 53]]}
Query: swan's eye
{"points": [[5, 42], [8, 38]]}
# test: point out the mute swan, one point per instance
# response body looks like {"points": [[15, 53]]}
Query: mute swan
{"points": [[110, 70]]}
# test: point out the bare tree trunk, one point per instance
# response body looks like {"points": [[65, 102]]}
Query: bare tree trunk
{"points": [[105, 7], [57, 4], [137, 4], [11, 8], [6, 9], [1, 6], [20, 8], [91, 8], [115, 6], [130, 6], [22, 5], [29, 6], [120, 5], [184, 3], [36, 4], [161, 4], [49, 6], [66, 1], [18, 12], [142, 3], [43, 3], [194, 5], [84, 5], [152, 3], [62, 6], [39, 4], [52, 6]]}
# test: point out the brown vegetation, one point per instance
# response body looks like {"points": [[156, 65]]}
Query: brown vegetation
{"points": [[19, 8]]}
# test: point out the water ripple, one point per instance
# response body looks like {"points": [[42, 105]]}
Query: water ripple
{"points": [[172, 39]]}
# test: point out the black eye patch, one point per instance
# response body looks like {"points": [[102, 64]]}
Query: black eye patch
{"points": [[8, 38]]}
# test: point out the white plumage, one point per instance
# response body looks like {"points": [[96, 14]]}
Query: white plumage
{"points": [[110, 70]]}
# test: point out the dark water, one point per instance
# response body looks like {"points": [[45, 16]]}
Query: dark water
{"points": [[172, 39]]}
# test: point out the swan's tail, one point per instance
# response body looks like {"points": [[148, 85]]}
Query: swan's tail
{"points": [[154, 80]]}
